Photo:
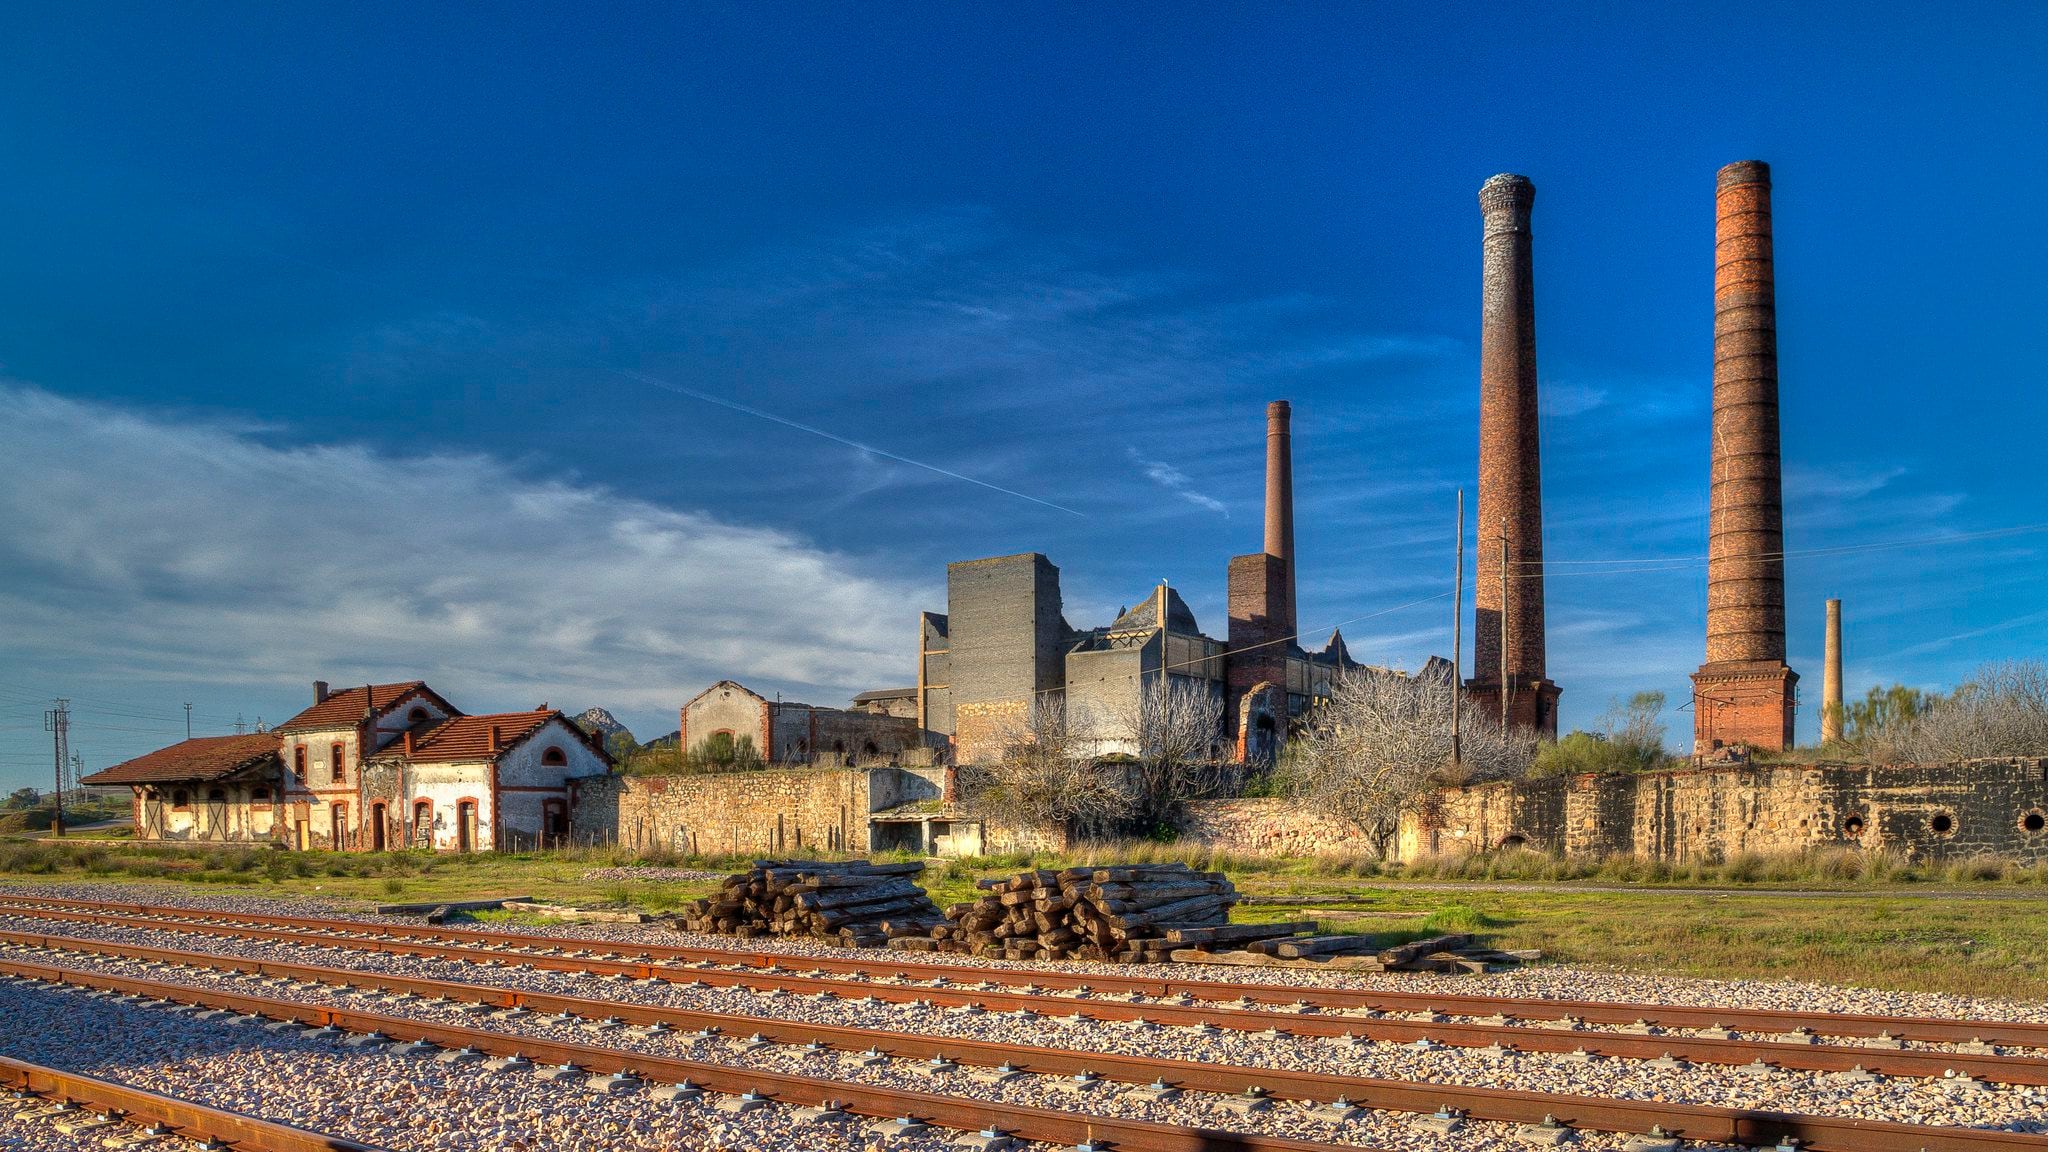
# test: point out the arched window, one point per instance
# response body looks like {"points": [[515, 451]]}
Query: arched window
{"points": [[335, 752], [299, 761], [554, 758], [260, 792], [416, 715], [216, 795]]}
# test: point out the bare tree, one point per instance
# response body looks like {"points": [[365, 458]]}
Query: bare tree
{"points": [[2001, 710], [1047, 777], [1382, 741], [1176, 728]]}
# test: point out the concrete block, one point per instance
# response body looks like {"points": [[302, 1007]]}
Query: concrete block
{"points": [[1157, 1092], [900, 1126], [1548, 1134], [986, 1140], [461, 1056], [741, 1104], [618, 1083], [684, 1093], [512, 1063]]}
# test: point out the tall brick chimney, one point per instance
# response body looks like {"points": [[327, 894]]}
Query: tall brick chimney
{"points": [[1744, 693], [319, 691], [1509, 613], [1280, 506], [1831, 677]]}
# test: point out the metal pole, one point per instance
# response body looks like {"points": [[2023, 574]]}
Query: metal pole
{"points": [[1458, 640], [58, 721], [188, 721], [1503, 629]]}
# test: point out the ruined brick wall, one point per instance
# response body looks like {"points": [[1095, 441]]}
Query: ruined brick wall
{"points": [[1267, 826], [1925, 811], [769, 811]]}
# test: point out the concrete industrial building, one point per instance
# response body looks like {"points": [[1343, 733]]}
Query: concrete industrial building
{"points": [[1003, 644], [786, 732]]}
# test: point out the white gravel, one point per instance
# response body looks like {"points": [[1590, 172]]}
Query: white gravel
{"points": [[1542, 981], [1904, 1099]]}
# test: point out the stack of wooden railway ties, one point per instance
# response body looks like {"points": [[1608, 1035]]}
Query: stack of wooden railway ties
{"points": [[852, 902], [1126, 913]]}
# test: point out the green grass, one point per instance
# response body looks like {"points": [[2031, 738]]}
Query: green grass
{"points": [[1881, 923]]}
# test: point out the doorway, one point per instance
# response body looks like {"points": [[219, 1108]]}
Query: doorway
{"points": [[377, 819], [465, 826]]}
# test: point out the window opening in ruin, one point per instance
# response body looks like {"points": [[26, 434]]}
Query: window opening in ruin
{"points": [[1943, 824], [299, 761], [181, 799], [1514, 841], [2034, 821], [216, 796], [260, 792], [869, 749], [334, 755], [554, 758], [1853, 826]]}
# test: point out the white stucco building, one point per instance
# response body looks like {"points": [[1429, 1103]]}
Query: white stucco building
{"points": [[371, 768]]}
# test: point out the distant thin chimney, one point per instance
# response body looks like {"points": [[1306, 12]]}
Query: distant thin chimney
{"points": [[1280, 504], [368, 711], [319, 691]]}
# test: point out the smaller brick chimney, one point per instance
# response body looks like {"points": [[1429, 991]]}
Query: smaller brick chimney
{"points": [[369, 710], [496, 737], [408, 741], [319, 691]]}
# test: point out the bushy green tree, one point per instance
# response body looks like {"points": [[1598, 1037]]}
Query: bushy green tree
{"points": [[722, 751], [1630, 739]]}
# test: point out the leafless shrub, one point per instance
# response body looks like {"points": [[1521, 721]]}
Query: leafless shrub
{"points": [[2001, 710], [1048, 778], [1382, 741], [1175, 728]]}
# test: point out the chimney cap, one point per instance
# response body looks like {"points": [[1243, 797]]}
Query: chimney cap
{"points": [[1278, 408], [1744, 172], [1507, 192]]}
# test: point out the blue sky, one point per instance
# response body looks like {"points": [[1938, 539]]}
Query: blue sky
{"points": [[377, 341]]}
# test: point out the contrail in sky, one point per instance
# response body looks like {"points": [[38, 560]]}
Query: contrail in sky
{"points": [[709, 398]]}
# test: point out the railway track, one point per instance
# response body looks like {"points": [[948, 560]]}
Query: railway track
{"points": [[89, 1104], [967, 1115], [1694, 1122], [1803, 1055], [598, 954]]}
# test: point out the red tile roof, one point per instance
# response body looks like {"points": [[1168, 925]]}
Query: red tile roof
{"points": [[344, 708], [469, 737], [201, 758]]}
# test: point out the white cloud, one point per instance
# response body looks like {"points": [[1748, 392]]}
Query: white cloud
{"points": [[167, 549], [1177, 482]]}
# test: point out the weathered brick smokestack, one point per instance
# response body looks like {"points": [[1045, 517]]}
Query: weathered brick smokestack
{"points": [[1510, 468], [1831, 677], [1743, 694], [1280, 506]]}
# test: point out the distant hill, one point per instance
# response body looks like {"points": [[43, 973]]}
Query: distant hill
{"points": [[602, 723], [668, 741]]}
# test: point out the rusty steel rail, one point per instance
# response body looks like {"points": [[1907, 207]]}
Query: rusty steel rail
{"points": [[196, 1122], [2007, 1069], [520, 946], [1693, 1122], [2017, 1070], [1035, 1124]]}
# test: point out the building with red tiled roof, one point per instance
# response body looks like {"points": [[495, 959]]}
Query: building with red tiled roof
{"points": [[370, 768], [501, 780], [205, 788]]}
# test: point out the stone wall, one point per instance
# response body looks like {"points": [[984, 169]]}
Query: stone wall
{"points": [[1921, 810], [769, 811], [1268, 827]]}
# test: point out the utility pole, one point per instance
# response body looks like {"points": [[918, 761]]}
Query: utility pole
{"points": [[57, 722], [77, 772], [1503, 628], [1458, 639], [241, 725], [188, 721]]}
